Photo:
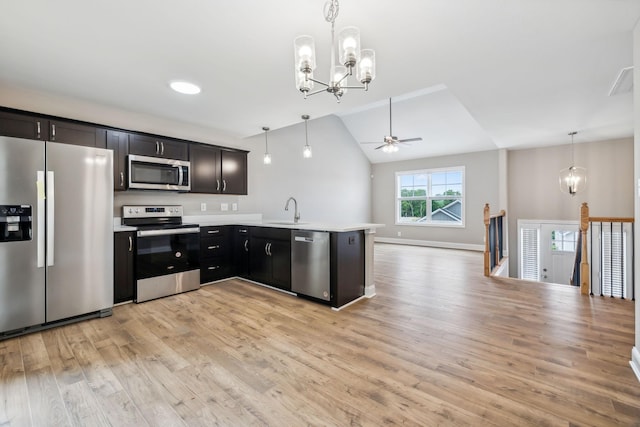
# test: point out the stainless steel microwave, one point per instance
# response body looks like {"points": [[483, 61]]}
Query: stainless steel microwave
{"points": [[154, 173]]}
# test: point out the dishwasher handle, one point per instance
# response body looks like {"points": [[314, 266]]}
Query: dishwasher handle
{"points": [[303, 239]]}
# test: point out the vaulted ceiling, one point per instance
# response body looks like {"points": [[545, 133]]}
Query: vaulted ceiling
{"points": [[465, 75]]}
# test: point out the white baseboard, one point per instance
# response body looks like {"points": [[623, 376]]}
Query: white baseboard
{"points": [[635, 361], [429, 243]]}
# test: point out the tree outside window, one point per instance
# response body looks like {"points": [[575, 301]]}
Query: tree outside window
{"points": [[430, 197]]}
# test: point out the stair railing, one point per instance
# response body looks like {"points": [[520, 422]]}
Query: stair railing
{"points": [[607, 254], [494, 241]]}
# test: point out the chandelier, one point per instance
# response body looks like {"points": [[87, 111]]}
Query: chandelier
{"points": [[573, 178], [350, 58]]}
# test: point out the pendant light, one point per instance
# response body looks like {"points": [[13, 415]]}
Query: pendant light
{"points": [[267, 156], [574, 178], [306, 153]]}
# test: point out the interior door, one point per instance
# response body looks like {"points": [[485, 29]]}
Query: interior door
{"points": [[79, 230], [558, 251]]}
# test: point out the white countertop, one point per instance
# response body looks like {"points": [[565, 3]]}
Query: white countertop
{"points": [[256, 220]]}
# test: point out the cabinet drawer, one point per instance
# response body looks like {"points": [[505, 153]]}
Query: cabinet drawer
{"points": [[212, 231], [214, 269], [271, 233], [214, 246]]}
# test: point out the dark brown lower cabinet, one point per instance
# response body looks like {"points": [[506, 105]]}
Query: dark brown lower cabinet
{"points": [[347, 267], [270, 257], [124, 266], [216, 261]]}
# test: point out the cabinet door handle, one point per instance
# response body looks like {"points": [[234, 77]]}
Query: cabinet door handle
{"points": [[38, 129], [213, 231], [162, 148], [246, 242], [224, 185], [130, 244], [157, 147], [269, 249], [213, 247], [242, 230], [121, 179], [53, 132], [266, 249], [215, 267], [217, 185]]}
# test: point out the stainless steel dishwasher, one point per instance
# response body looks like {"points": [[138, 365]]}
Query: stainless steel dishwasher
{"points": [[310, 264]]}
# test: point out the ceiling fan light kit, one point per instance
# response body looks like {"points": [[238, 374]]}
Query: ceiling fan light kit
{"points": [[351, 58], [390, 142]]}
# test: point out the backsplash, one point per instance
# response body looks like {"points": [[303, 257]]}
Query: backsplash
{"points": [[190, 201]]}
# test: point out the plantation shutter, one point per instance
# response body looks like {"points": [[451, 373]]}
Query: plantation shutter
{"points": [[530, 253]]}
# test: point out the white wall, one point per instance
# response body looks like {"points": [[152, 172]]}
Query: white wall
{"points": [[332, 186], [534, 192], [481, 186]]}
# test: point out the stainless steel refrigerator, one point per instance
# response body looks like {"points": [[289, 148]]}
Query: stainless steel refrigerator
{"points": [[56, 232]]}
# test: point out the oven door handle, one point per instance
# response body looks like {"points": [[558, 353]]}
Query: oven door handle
{"points": [[147, 233]]}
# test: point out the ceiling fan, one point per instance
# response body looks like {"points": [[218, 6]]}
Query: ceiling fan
{"points": [[390, 142]]}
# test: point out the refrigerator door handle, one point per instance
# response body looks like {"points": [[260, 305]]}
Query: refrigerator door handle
{"points": [[40, 218], [50, 218]]}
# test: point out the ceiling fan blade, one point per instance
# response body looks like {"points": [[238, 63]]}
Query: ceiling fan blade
{"points": [[371, 142], [383, 145], [410, 140]]}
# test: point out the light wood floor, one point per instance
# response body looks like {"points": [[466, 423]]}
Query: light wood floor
{"points": [[439, 345]]}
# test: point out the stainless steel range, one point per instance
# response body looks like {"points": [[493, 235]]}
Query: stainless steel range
{"points": [[168, 251]]}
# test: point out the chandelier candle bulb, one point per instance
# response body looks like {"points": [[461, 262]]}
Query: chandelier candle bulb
{"points": [[349, 43]]}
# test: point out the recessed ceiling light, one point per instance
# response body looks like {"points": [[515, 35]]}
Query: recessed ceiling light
{"points": [[185, 87]]}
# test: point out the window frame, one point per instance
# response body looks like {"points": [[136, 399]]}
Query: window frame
{"points": [[429, 198]]}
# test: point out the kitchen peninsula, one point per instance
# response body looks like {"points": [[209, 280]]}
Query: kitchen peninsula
{"points": [[268, 252]]}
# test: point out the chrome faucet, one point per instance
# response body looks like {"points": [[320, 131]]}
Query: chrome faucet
{"points": [[296, 214]]}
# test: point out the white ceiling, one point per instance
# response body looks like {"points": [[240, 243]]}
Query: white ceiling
{"points": [[465, 75]]}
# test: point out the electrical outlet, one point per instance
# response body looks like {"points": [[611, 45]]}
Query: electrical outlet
{"points": [[234, 206], [399, 233], [224, 206], [203, 207]]}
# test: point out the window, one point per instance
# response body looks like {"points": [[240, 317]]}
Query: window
{"points": [[430, 197], [564, 240]]}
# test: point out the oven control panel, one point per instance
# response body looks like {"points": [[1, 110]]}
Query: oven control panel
{"points": [[167, 211]]}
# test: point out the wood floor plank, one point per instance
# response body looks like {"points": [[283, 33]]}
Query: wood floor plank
{"points": [[14, 397], [440, 344]]}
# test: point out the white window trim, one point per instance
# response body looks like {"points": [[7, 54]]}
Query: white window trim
{"points": [[431, 223]]}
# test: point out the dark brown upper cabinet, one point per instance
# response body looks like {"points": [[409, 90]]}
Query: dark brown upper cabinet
{"points": [[77, 134], [23, 126], [217, 170], [118, 142], [144, 145], [37, 127]]}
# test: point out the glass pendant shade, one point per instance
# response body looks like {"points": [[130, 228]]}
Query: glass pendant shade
{"points": [[307, 153], [267, 157], [349, 46], [303, 82], [367, 66], [573, 179], [305, 54]]}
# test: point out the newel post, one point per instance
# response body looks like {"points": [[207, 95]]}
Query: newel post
{"points": [[487, 253], [584, 264]]}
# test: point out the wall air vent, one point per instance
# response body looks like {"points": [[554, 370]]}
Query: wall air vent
{"points": [[623, 83]]}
